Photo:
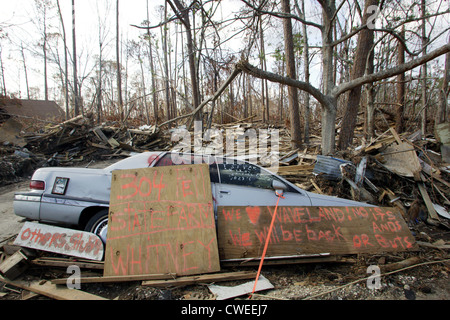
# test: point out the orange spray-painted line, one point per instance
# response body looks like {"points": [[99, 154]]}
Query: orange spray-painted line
{"points": [[267, 243]]}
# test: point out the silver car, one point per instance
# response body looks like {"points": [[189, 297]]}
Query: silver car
{"points": [[79, 197]]}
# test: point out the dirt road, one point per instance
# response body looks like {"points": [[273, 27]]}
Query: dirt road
{"points": [[10, 224]]}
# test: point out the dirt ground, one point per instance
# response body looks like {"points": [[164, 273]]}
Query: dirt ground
{"points": [[427, 280], [10, 224]]}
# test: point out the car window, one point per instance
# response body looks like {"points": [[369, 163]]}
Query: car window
{"points": [[242, 173], [173, 159]]}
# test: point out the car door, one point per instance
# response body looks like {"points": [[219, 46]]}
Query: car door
{"points": [[246, 184]]}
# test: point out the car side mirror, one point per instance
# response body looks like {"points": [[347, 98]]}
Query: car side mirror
{"points": [[279, 187]]}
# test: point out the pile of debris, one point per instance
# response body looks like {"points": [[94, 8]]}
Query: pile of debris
{"points": [[404, 171], [78, 140]]}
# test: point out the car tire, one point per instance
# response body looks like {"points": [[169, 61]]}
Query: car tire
{"points": [[98, 224]]}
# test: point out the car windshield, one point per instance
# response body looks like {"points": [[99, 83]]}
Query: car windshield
{"points": [[226, 170], [173, 159], [141, 160]]}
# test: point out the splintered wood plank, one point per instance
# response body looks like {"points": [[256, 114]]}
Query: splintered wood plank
{"points": [[205, 278], [426, 198], [53, 291], [161, 220], [118, 279], [297, 231]]}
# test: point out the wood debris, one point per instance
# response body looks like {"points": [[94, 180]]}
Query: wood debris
{"points": [[405, 171], [79, 139]]}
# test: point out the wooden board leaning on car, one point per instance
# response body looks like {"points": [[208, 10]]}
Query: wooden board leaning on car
{"points": [[161, 220], [299, 231]]}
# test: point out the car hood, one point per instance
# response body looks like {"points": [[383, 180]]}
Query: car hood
{"points": [[321, 200]]}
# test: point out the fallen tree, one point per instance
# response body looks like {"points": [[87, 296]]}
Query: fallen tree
{"points": [[329, 101]]}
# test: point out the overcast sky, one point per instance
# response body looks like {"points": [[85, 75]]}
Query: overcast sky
{"points": [[16, 18]]}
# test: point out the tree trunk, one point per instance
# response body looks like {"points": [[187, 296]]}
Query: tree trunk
{"points": [[399, 109], [183, 14], [442, 112], [370, 109], [154, 86], [75, 76], [296, 138], [100, 78], [66, 62], [329, 110], [25, 70], [119, 72], [328, 127], [264, 86], [328, 11], [307, 109], [166, 66], [3, 72], [424, 70], [44, 49], [364, 46], [263, 83]]}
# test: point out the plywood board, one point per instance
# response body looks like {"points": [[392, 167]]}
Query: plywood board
{"points": [[161, 220], [60, 240], [242, 231]]}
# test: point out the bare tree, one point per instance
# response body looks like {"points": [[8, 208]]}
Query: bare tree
{"points": [[329, 101], [25, 70], [263, 61], [166, 64], [442, 114], [75, 71], [66, 61], [364, 46], [296, 138], [424, 70], [307, 108], [182, 13], [2, 68], [328, 95], [42, 8], [400, 106], [119, 71]]}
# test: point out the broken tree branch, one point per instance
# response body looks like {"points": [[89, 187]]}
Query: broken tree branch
{"points": [[235, 73], [381, 275], [340, 89], [246, 67]]}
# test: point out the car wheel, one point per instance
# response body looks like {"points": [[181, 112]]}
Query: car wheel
{"points": [[98, 224]]}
